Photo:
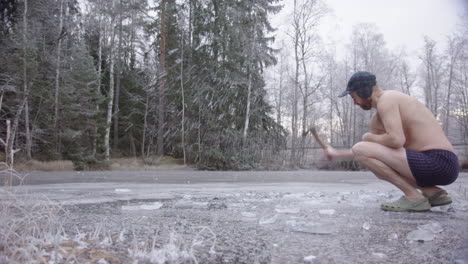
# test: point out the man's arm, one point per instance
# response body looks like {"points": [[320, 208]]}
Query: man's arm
{"points": [[341, 154], [376, 126], [389, 112]]}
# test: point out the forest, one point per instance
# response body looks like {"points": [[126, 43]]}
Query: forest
{"points": [[209, 82]]}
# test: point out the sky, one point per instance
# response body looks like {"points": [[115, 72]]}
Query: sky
{"points": [[403, 23]]}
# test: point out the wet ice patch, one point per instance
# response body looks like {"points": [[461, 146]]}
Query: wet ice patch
{"points": [[152, 206]]}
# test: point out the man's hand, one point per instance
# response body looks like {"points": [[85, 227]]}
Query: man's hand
{"points": [[330, 152], [334, 154], [367, 137]]}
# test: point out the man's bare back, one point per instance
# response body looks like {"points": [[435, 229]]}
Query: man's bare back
{"points": [[421, 129]]}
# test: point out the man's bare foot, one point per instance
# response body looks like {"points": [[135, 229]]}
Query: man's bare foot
{"points": [[431, 191], [437, 196], [415, 198]]}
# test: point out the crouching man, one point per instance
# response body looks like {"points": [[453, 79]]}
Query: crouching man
{"points": [[406, 146]]}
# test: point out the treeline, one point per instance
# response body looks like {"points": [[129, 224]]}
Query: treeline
{"points": [[200, 80], [94, 79]]}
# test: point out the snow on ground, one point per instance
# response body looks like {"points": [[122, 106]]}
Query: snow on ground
{"points": [[267, 222]]}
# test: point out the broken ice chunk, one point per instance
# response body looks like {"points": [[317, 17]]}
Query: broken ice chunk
{"points": [[287, 210], [379, 255], [122, 190], [432, 227], [153, 206], [420, 235], [309, 259], [248, 214], [393, 236], [327, 212], [268, 220], [311, 228], [366, 226]]}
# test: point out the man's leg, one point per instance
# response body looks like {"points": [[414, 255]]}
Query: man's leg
{"points": [[395, 159], [388, 164]]}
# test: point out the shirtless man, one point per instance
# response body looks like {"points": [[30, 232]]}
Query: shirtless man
{"points": [[406, 146]]}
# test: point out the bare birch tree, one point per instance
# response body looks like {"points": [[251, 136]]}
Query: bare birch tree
{"points": [[454, 49], [110, 95], [432, 75]]}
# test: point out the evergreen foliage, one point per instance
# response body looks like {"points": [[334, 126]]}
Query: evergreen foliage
{"points": [[213, 50]]}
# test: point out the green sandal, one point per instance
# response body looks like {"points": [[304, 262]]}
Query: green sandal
{"points": [[436, 200], [405, 205]]}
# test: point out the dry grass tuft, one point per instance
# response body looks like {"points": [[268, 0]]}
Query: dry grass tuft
{"points": [[35, 165], [150, 163]]}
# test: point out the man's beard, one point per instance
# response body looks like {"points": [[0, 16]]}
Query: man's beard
{"points": [[367, 105]]}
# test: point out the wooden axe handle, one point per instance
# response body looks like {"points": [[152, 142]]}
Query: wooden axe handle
{"points": [[316, 136]]}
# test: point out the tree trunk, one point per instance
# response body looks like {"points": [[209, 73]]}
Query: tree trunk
{"points": [[98, 90], [183, 98], [249, 85], [295, 93], [304, 105], [117, 86], [145, 127], [57, 84], [162, 82], [28, 131], [111, 89]]}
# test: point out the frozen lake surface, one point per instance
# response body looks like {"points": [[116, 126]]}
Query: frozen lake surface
{"points": [[244, 217]]}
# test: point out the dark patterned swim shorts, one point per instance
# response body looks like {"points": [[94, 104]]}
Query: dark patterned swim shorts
{"points": [[433, 167]]}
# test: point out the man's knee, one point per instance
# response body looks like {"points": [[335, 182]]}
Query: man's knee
{"points": [[361, 150]]}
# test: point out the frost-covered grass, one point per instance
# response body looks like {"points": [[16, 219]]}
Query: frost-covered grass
{"points": [[176, 251], [34, 229]]}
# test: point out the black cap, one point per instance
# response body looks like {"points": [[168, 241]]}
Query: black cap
{"points": [[359, 80]]}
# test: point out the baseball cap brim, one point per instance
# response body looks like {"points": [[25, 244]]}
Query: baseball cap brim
{"points": [[345, 93]]}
